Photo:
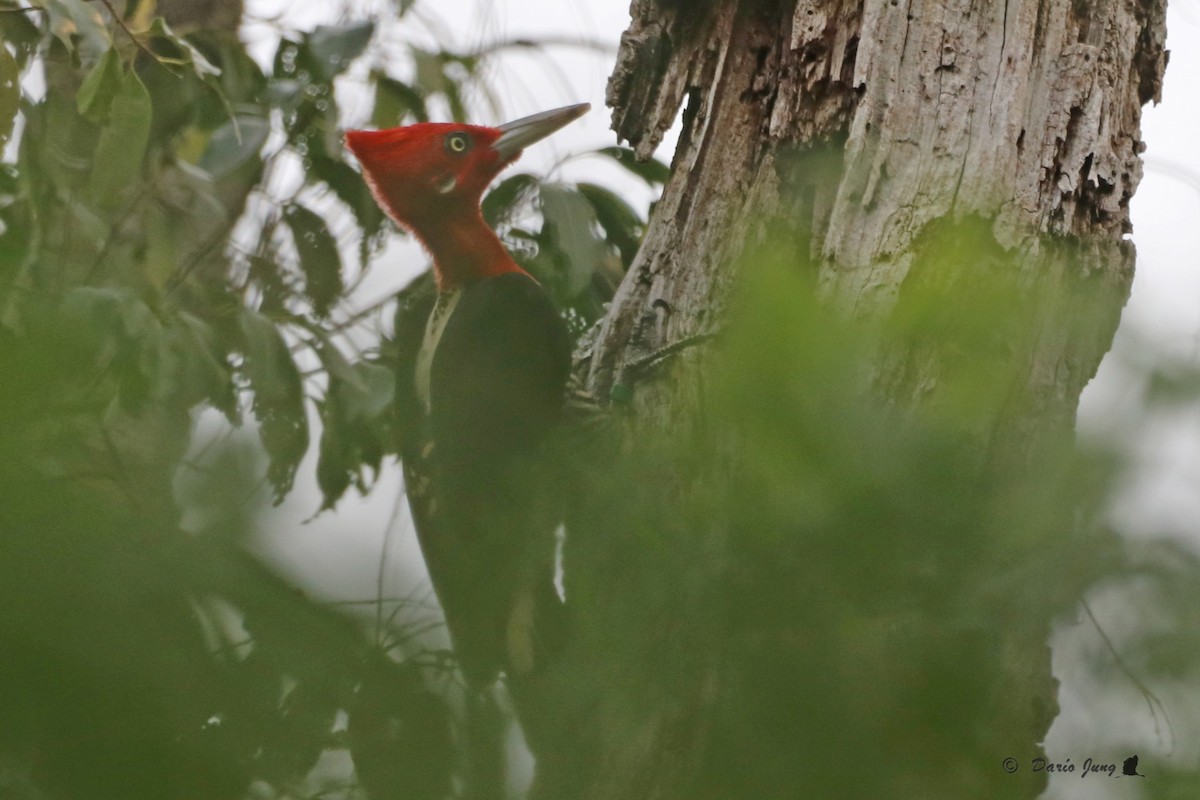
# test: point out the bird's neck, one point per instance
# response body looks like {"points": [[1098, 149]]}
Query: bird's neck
{"points": [[465, 250]]}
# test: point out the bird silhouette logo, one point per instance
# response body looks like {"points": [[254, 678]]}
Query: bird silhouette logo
{"points": [[1130, 767]]}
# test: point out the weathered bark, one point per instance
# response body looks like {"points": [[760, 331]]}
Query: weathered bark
{"points": [[1024, 113], [866, 130]]}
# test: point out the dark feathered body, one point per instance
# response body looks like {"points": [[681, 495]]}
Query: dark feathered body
{"points": [[470, 441]]}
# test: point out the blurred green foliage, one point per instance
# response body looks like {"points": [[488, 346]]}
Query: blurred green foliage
{"points": [[146, 178], [844, 586], [181, 229]]}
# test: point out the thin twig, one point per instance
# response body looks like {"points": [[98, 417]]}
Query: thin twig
{"points": [[398, 642], [109, 240], [425, 604], [180, 276], [371, 601], [381, 575], [526, 43], [363, 313], [117, 18], [636, 367], [1150, 697]]}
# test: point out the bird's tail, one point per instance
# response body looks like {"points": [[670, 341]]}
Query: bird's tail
{"points": [[486, 751]]}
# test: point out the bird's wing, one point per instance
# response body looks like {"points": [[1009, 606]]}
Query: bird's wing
{"points": [[499, 373], [475, 488], [414, 305]]}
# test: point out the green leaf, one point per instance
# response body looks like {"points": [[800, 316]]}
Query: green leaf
{"points": [[191, 57], [19, 31], [161, 256], [652, 171], [319, 258], [335, 469], [334, 47], [431, 75], [350, 188], [233, 144], [118, 159], [278, 398], [95, 308], [286, 57], [145, 366], [335, 363], [121, 334], [308, 101], [98, 89], [205, 372], [504, 200], [622, 226], [395, 102], [356, 424], [571, 223], [454, 98], [285, 93], [371, 392], [137, 320], [444, 73], [10, 93], [79, 21], [16, 243]]}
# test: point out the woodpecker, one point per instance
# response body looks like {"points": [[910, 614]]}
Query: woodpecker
{"points": [[482, 368]]}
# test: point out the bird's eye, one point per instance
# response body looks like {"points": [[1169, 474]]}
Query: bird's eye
{"points": [[458, 143]]}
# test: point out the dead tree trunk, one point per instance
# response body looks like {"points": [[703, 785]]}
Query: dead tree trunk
{"points": [[862, 129], [1023, 113]]}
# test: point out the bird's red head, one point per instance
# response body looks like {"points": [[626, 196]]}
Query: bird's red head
{"points": [[431, 176], [422, 172]]}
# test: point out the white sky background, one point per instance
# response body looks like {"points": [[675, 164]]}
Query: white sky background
{"points": [[337, 555]]}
